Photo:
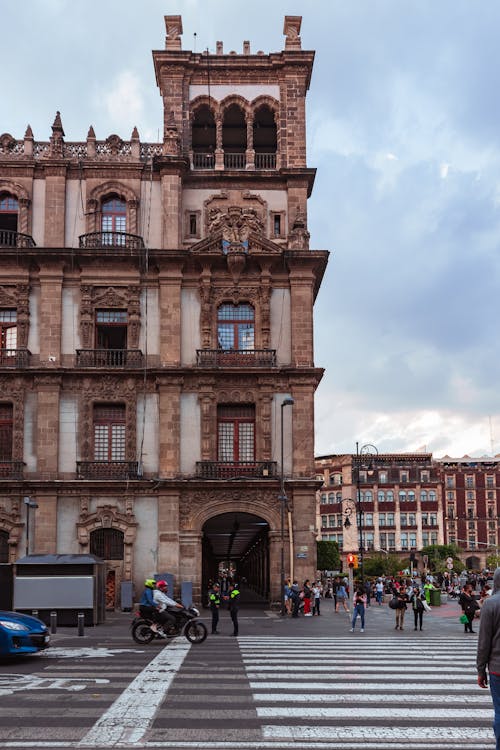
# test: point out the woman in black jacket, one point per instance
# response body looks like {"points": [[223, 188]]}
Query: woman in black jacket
{"points": [[417, 599], [469, 605]]}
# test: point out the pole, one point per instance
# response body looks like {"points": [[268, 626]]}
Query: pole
{"points": [[27, 526], [360, 517], [283, 500]]}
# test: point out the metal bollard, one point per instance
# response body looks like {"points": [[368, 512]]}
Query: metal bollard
{"points": [[81, 623], [34, 612], [53, 622]]}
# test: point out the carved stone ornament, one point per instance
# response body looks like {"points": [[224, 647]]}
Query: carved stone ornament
{"points": [[235, 224], [11, 522], [109, 389], [93, 298], [195, 508], [114, 143], [291, 29], [298, 238], [7, 142], [111, 517]]}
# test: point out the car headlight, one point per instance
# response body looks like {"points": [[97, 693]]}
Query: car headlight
{"points": [[13, 625]]}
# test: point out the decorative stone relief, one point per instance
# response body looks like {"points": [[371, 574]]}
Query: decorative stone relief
{"points": [[197, 507], [111, 517], [14, 392]]}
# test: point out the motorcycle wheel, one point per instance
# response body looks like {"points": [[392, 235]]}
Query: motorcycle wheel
{"points": [[142, 633], [195, 632]]}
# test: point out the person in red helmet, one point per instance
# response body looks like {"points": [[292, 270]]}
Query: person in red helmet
{"points": [[163, 601]]}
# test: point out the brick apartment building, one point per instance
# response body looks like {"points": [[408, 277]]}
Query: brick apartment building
{"points": [[156, 319], [409, 501]]}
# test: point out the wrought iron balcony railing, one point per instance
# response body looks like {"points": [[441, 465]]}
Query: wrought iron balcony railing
{"points": [[235, 161], [127, 358], [14, 357], [236, 469], [236, 357], [8, 238], [117, 240], [11, 469], [265, 161], [203, 161], [107, 470]]}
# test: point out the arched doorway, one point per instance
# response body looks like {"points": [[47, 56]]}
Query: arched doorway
{"points": [[237, 545]]}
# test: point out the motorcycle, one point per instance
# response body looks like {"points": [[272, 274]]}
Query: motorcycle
{"points": [[186, 624]]}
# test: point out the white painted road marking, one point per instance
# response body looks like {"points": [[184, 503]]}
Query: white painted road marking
{"points": [[130, 716]]}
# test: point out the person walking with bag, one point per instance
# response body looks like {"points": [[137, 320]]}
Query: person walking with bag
{"points": [[341, 597], [469, 605], [306, 590], [402, 600], [358, 609], [488, 650], [417, 599]]}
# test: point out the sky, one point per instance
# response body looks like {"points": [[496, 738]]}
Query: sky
{"points": [[403, 125]]}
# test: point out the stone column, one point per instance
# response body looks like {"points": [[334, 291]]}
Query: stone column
{"points": [[171, 198], [47, 426], [51, 280], [44, 527], [55, 205], [168, 533], [190, 556], [170, 280], [301, 303], [169, 429]]}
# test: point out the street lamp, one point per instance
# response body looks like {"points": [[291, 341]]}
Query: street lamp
{"points": [[367, 453], [283, 501], [29, 504]]}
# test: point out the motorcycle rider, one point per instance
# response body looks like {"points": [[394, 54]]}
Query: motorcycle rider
{"points": [[162, 601], [147, 605]]}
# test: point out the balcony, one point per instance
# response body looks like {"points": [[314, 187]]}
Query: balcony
{"points": [[203, 161], [11, 469], [116, 240], [107, 470], [130, 359], [265, 161], [8, 238], [236, 469], [236, 357], [16, 358], [235, 161]]}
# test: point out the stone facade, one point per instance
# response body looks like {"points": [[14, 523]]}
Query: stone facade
{"points": [[127, 268]]}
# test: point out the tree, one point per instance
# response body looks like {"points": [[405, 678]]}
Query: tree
{"points": [[328, 555], [493, 561], [437, 555], [380, 564]]}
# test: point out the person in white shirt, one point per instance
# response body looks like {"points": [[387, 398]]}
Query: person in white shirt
{"points": [[162, 600]]}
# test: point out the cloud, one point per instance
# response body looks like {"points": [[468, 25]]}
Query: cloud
{"points": [[123, 102]]}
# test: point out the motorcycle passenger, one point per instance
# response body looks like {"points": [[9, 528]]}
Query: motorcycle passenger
{"points": [[162, 601], [147, 605], [214, 602]]}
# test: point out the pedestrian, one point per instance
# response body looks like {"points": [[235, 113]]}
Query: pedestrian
{"points": [[214, 602], [295, 596], [368, 592], [234, 605], [488, 650], [358, 609], [341, 597], [469, 606], [287, 597], [379, 591], [316, 592], [417, 599], [402, 600], [306, 590]]}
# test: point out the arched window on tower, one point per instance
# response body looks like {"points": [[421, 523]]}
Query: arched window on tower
{"points": [[113, 221], [9, 214], [234, 137], [203, 138], [265, 141]]}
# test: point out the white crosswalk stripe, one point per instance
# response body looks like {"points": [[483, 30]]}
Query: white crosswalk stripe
{"points": [[365, 692]]}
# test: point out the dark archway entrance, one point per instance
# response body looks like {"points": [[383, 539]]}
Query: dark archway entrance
{"points": [[237, 544]]}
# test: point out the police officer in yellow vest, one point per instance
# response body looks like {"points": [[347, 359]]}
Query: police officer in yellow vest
{"points": [[234, 605], [214, 602]]}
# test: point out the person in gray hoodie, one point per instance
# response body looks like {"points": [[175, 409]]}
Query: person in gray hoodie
{"points": [[488, 650]]}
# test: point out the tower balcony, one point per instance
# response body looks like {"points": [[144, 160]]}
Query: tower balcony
{"points": [[129, 359], [236, 357], [11, 469], [9, 238], [236, 469]]}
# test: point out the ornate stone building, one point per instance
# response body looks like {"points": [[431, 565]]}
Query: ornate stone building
{"points": [[156, 316]]}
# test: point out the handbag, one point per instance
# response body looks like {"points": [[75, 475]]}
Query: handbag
{"points": [[394, 603], [426, 605], [463, 619]]}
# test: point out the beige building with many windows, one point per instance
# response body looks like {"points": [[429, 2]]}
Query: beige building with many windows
{"points": [[156, 321]]}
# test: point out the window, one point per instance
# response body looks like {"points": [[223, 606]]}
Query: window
{"points": [[451, 511], [470, 495], [236, 432], [390, 519], [4, 546], [423, 496], [412, 519], [411, 496], [450, 495], [114, 219], [332, 521], [432, 496], [192, 225], [424, 476], [491, 511], [109, 432], [490, 481], [234, 137], [404, 540], [368, 496], [265, 138], [403, 476], [368, 540], [402, 496], [9, 212], [235, 327], [469, 481], [6, 431], [403, 519], [390, 496], [331, 498], [339, 497], [337, 479], [382, 477], [277, 222], [368, 519], [433, 519], [381, 496], [450, 481], [470, 512], [8, 330], [323, 521], [381, 519], [471, 525], [111, 329], [107, 544], [323, 498], [413, 540], [490, 495], [492, 540]]}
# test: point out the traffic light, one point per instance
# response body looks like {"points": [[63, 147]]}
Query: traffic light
{"points": [[352, 561]]}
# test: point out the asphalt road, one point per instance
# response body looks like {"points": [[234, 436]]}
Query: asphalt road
{"points": [[287, 683]]}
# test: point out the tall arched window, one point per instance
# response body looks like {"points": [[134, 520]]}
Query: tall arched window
{"points": [[203, 137], [9, 212], [265, 140], [235, 327], [234, 137]]}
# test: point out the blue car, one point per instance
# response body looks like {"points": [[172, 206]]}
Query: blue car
{"points": [[21, 634]]}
